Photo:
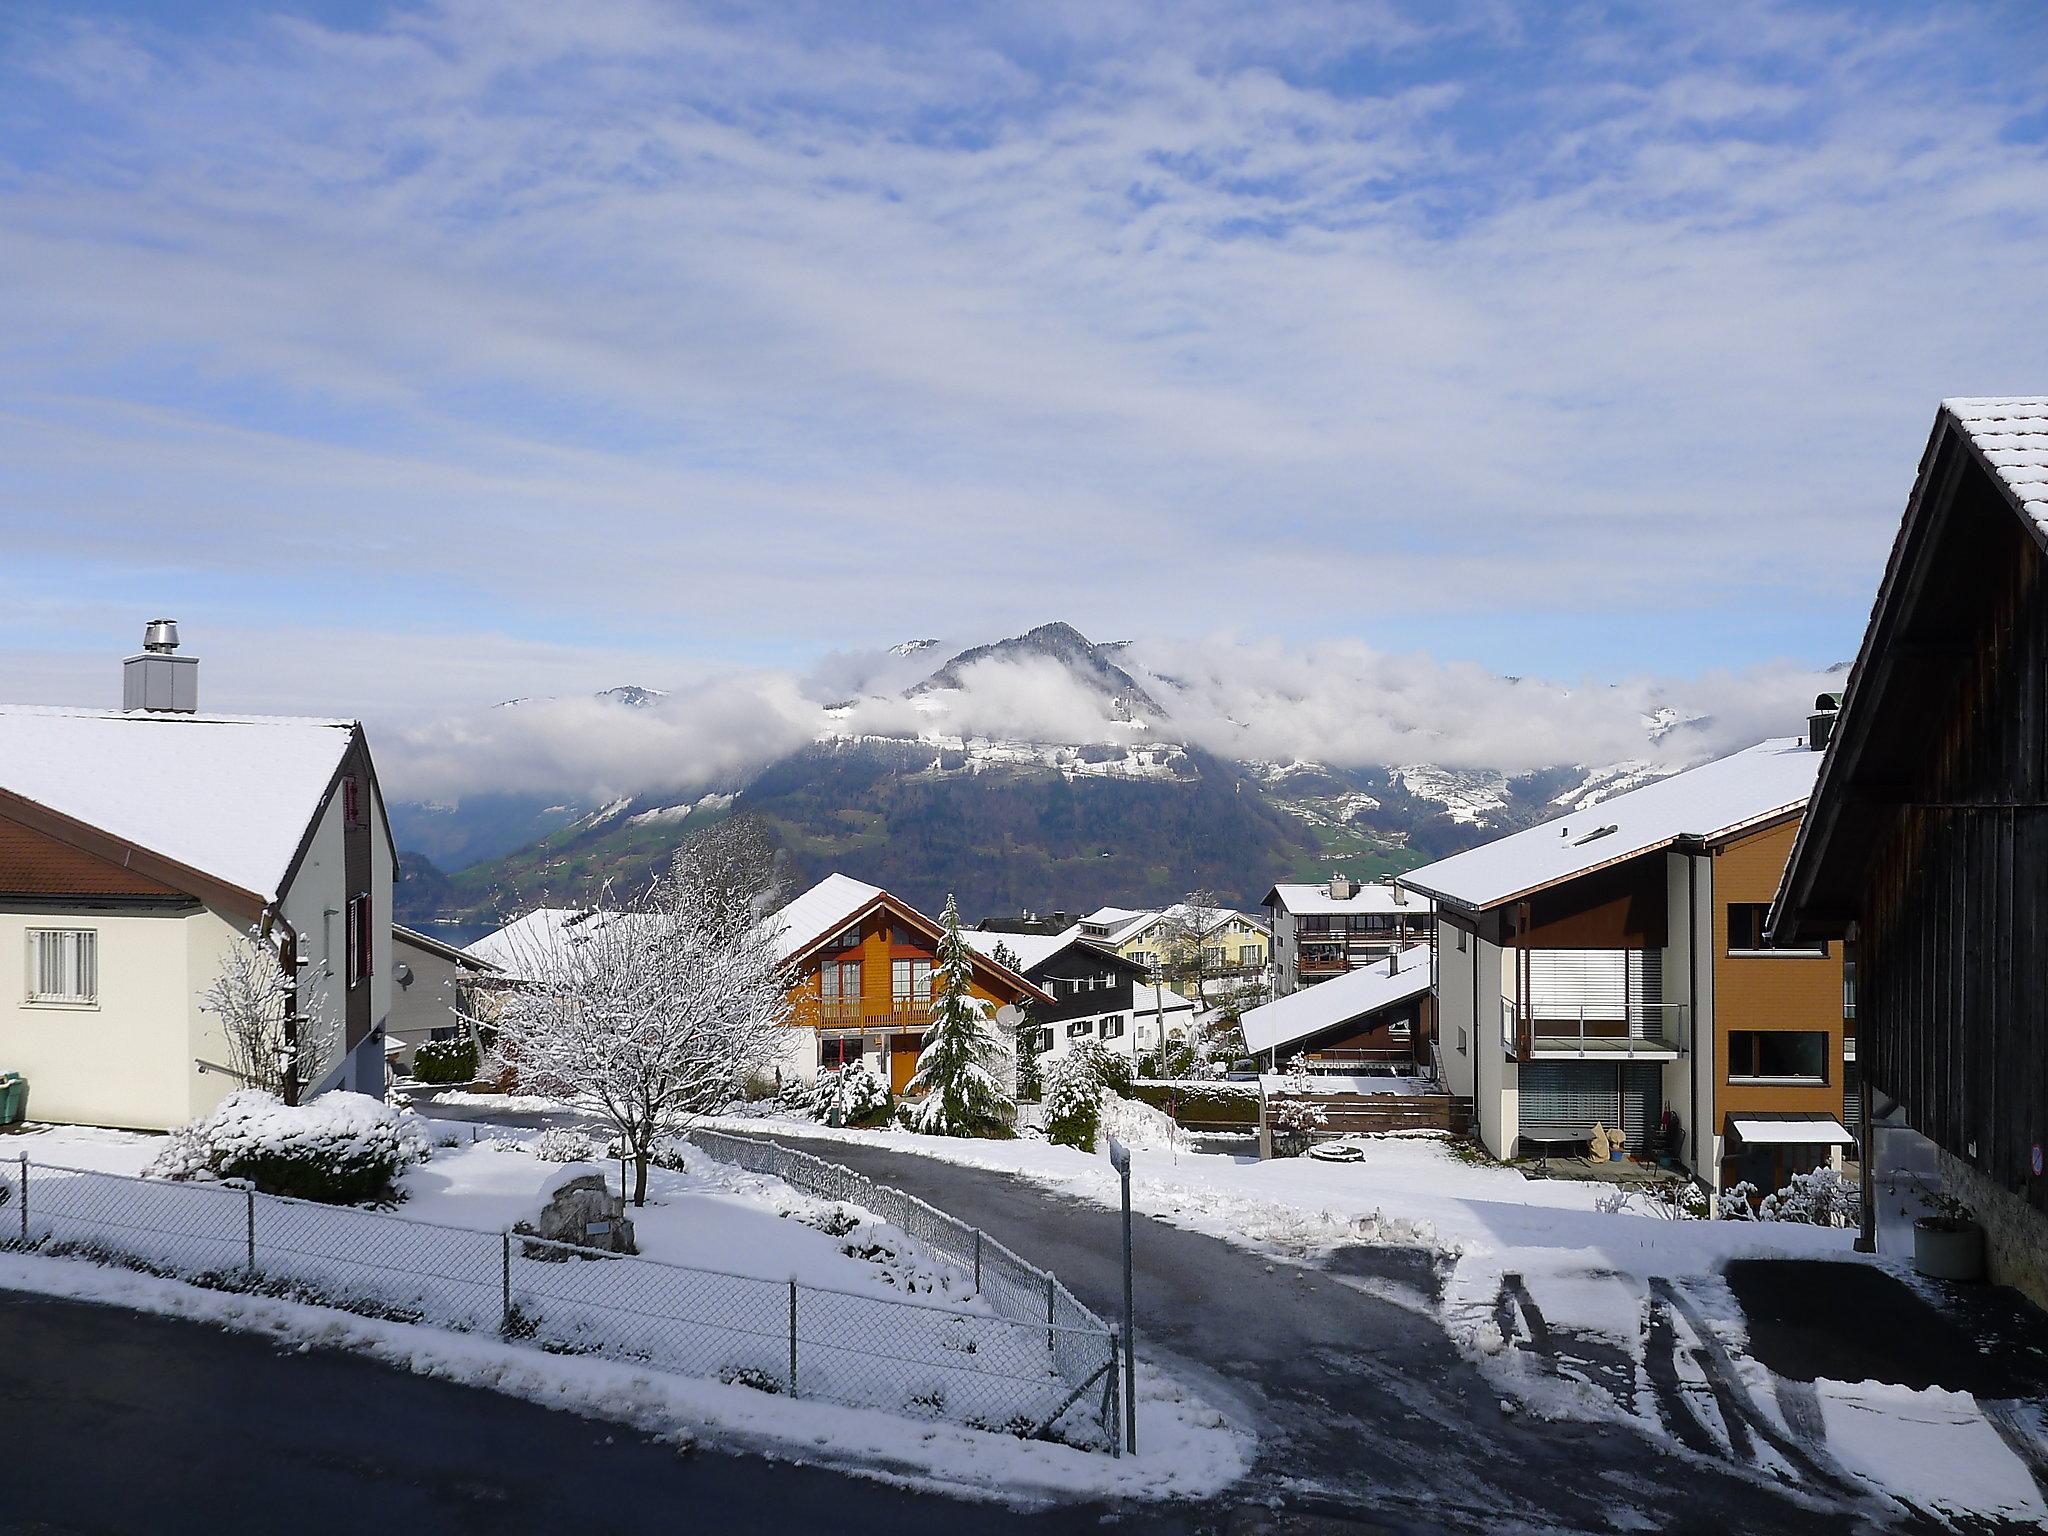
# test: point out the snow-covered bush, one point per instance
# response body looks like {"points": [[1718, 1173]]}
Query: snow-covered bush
{"points": [[1112, 1071], [1073, 1103], [1138, 1124], [1294, 1122], [445, 1061], [341, 1148], [559, 1144], [854, 1095], [1820, 1197], [1737, 1203]]}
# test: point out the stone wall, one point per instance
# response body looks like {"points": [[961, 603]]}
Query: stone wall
{"points": [[2015, 1234]]}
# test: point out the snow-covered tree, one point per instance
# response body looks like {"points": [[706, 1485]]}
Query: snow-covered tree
{"points": [[961, 1071], [277, 1035], [1073, 1102], [652, 1012]]}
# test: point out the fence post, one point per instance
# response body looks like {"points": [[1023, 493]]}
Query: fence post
{"points": [[24, 1197], [505, 1280], [1049, 1283], [977, 1261], [250, 1194], [792, 1335]]}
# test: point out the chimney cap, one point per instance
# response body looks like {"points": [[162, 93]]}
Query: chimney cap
{"points": [[160, 636]]}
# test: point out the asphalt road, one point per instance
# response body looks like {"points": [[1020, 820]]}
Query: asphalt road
{"points": [[122, 1422], [1368, 1417]]}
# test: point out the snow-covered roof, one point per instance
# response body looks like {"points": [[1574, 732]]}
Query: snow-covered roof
{"points": [[1029, 948], [527, 942], [1150, 1002], [1791, 1131], [1338, 1000], [1316, 900], [1127, 923], [401, 934], [1714, 800], [2012, 432], [820, 911], [230, 796]]}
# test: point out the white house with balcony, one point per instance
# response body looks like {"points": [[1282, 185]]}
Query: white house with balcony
{"points": [[1577, 961]]}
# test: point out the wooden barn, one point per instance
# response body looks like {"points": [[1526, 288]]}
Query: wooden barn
{"points": [[1926, 843]]}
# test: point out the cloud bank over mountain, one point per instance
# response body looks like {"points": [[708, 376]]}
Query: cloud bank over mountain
{"points": [[1340, 703]]}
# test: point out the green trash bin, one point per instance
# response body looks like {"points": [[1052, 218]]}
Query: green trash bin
{"points": [[13, 1098]]}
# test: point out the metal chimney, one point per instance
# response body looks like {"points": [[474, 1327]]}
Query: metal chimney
{"points": [[159, 680]]}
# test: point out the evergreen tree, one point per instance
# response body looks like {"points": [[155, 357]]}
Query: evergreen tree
{"points": [[1023, 1038], [957, 1069]]}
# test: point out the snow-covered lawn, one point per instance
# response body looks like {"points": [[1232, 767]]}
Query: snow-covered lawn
{"points": [[714, 1217]]}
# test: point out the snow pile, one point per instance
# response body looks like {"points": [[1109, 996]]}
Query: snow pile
{"points": [[1139, 1126], [340, 1148], [1925, 1447]]}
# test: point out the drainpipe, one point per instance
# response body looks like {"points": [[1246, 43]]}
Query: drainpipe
{"points": [[1692, 1008]]}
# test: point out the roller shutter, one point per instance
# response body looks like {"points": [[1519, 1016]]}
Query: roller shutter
{"points": [[1564, 981], [1642, 1102], [1569, 1095]]}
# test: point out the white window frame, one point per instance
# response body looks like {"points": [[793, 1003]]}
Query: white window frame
{"points": [[32, 969], [1079, 1027], [1112, 1028]]}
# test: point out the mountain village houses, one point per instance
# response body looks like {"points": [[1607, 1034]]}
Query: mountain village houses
{"points": [[1615, 963], [136, 847], [1097, 996], [1233, 946], [1338, 926]]}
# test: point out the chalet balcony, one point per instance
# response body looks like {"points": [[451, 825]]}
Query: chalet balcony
{"points": [[896, 1013], [1653, 1031]]}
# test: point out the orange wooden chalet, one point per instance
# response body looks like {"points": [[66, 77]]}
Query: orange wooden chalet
{"points": [[864, 961]]}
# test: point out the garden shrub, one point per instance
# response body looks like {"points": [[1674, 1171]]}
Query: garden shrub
{"points": [[559, 1144], [855, 1093], [445, 1061], [341, 1149], [1073, 1103]]}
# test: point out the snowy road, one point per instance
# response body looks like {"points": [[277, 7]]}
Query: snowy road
{"points": [[1369, 1419]]}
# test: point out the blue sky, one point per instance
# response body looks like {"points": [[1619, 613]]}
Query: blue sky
{"points": [[513, 348]]}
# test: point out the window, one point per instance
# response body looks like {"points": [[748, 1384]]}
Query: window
{"points": [[1212, 958], [1849, 979], [1746, 935], [1080, 1027], [1778, 1055], [1461, 1032], [850, 939], [63, 965], [836, 1051], [910, 982], [1112, 1028], [1461, 940], [839, 985], [1248, 954], [1044, 1041], [361, 939], [1144, 957], [352, 801]]}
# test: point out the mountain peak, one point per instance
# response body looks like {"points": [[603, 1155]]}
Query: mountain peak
{"points": [[632, 697], [1062, 643]]}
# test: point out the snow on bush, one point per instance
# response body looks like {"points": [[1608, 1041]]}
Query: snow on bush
{"points": [[1294, 1122], [1073, 1103], [855, 1094], [1736, 1203], [1139, 1125], [559, 1144], [341, 1148], [1820, 1198]]}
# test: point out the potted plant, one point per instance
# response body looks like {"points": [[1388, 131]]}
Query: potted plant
{"points": [[1948, 1244]]}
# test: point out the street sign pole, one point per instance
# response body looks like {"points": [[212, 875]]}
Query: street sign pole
{"points": [[1120, 1159]]}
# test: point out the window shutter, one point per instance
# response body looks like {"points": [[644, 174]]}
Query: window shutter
{"points": [[1563, 981]]}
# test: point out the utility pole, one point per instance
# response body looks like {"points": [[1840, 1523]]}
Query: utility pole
{"points": [[1120, 1160]]}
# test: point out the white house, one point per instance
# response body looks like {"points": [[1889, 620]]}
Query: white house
{"points": [[430, 982], [136, 845], [1097, 996], [1341, 925]]}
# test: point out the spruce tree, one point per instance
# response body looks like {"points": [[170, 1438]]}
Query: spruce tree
{"points": [[956, 1070]]}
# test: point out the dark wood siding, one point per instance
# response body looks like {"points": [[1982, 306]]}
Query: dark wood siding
{"points": [[1953, 952]]}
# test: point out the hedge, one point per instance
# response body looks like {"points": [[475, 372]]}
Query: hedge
{"points": [[1210, 1103]]}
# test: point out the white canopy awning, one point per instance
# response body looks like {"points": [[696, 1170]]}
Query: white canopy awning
{"points": [[1792, 1131]]}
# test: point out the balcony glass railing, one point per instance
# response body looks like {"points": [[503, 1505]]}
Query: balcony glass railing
{"points": [[1649, 1026]]}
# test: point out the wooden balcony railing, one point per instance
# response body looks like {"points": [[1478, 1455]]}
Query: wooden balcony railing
{"points": [[898, 1013]]}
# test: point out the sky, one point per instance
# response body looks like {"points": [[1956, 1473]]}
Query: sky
{"points": [[416, 356]]}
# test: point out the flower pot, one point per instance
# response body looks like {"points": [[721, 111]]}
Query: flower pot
{"points": [[1945, 1249], [1615, 1154]]}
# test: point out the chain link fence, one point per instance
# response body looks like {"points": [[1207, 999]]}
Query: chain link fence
{"points": [[1083, 1347], [1050, 1374]]}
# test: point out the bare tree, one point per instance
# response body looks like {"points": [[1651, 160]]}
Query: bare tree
{"points": [[652, 1013], [277, 1034]]}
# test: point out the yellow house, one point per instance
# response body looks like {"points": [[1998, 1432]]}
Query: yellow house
{"points": [[1233, 944]]}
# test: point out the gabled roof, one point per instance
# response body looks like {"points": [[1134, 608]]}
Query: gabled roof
{"points": [[1341, 999], [838, 901], [1037, 949], [1952, 548], [433, 946], [229, 797], [1316, 900], [1711, 802], [1128, 923], [528, 943]]}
